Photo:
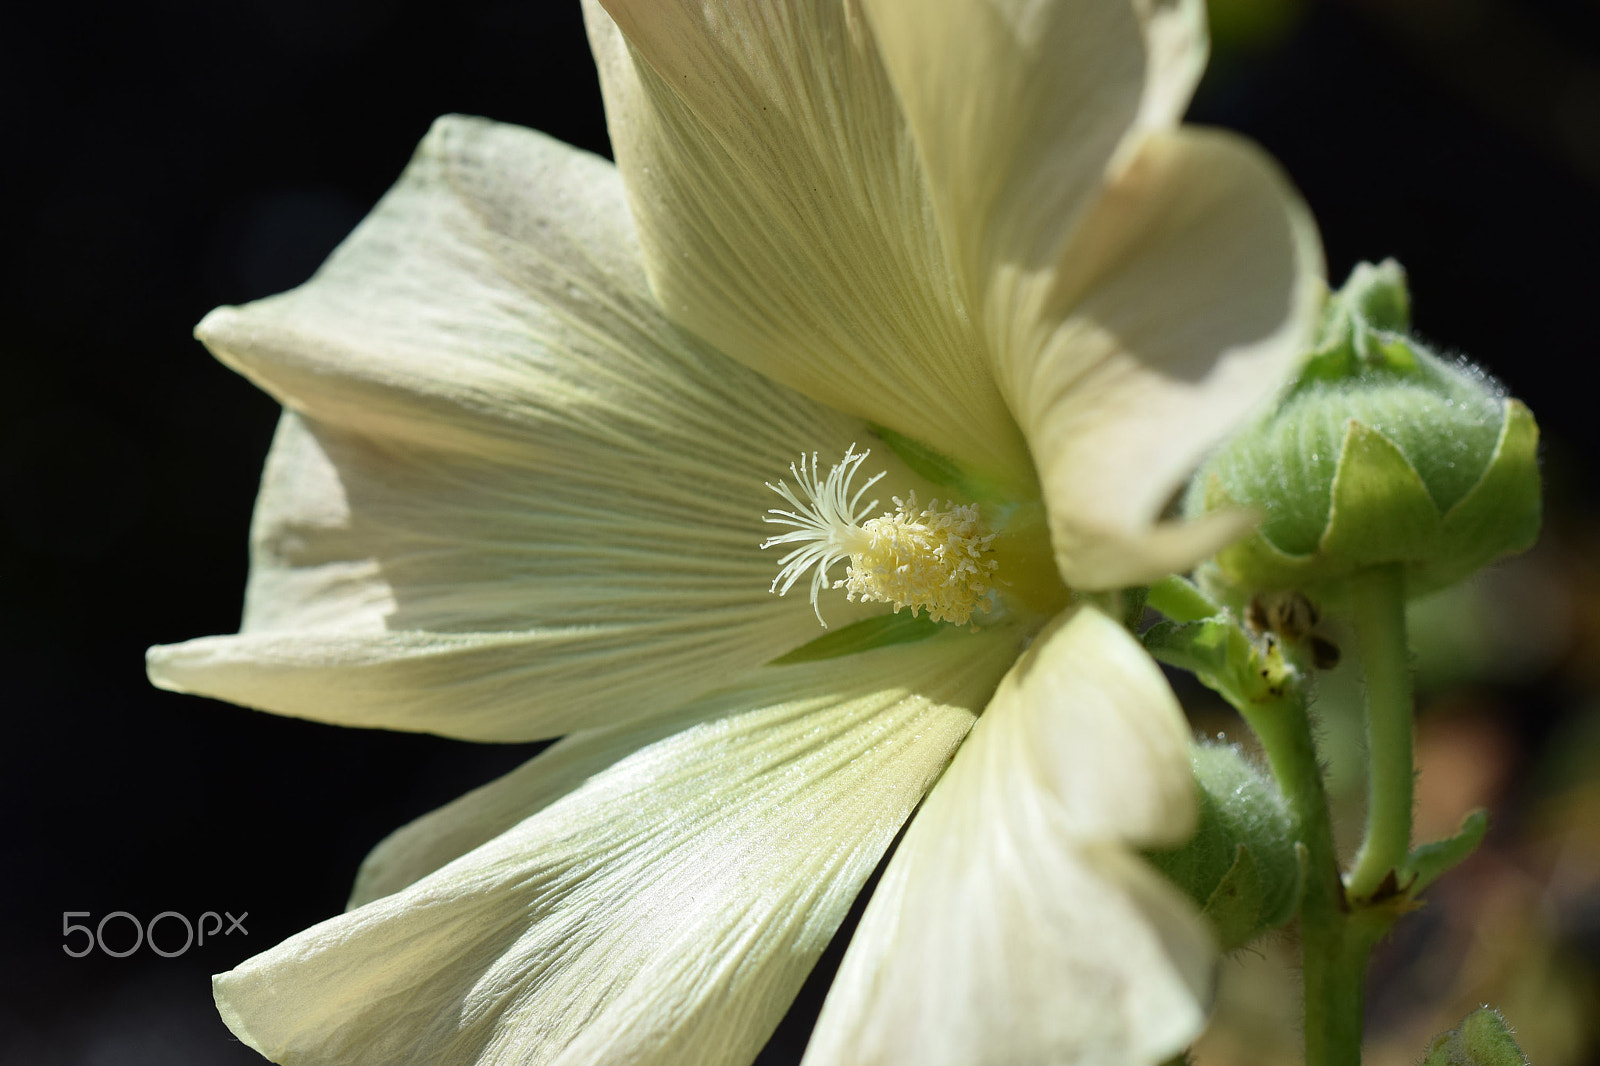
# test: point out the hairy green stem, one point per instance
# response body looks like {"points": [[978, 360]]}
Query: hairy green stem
{"points": [[1180, 600], [1378, 596], [1333, 948], [1337, 930]]}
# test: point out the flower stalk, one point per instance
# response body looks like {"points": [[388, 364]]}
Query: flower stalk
{"points": [[1377, 597], [1337, 930], [1385, 471], [1334, 944]]}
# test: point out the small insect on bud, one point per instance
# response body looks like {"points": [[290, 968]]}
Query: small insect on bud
{"points": [[1382, 453], [1324, 652], [1291, 618], [1288, 614]]}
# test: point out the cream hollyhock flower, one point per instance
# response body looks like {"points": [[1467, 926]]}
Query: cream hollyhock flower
{"points": [[533, 406]]}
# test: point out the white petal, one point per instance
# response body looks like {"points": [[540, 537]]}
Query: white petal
{"points": [[419, 588], [1142, 289], [493, 303], [1181, 306], [527, 503], [664, 911], [441, 836], [1013, 925], [1018, 107], [785, 218]]}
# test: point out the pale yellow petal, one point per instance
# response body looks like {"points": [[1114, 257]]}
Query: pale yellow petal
{"points": [[1181, 306], [420, 847], [784, 216], [493, 303], [1087, 716], [1019, 106], [665, 910], [1014, 924], [524, 502], [1142, 289], [411, 588]]}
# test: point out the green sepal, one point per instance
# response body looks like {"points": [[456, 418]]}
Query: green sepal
{"points": [[869, 633], [1381, 509], [1243, 866], [1429, 862], [1502, 512], [1372, 303], [1180, 600], [941, 470], [1379, 296], [1482, 1039], [1234, 906], [1254, 562], [1240, 908], [1134, 601]]}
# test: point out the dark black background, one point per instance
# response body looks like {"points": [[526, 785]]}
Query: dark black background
{"points": [[163, 158]]}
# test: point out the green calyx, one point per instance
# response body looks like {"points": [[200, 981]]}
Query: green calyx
{"points": [[1243, 866], [1381, 453]]}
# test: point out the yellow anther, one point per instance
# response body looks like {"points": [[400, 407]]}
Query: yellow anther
{"points": [[922, 558]]}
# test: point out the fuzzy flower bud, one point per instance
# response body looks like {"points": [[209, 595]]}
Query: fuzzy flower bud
{"points": [[1381, 453], [1242, 866]]}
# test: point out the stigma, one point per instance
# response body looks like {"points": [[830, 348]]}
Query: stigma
{"points": [[925, 558]]}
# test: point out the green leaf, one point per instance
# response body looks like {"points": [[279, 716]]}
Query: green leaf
{"points": [[1428, 862], [1224, 657], [865, 635]]}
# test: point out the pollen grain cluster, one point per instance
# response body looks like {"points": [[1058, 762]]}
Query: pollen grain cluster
{"points": [[924, 559]]}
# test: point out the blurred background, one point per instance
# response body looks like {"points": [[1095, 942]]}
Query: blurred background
{"points": [[164, 158]]}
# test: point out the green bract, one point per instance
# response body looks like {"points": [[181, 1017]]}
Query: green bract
{"points": [[1482, 1039], [1381, 453], [1243, 864]]}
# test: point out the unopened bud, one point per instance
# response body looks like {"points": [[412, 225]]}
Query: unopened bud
{"points": [[1243, 864], [1381, 453]]}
